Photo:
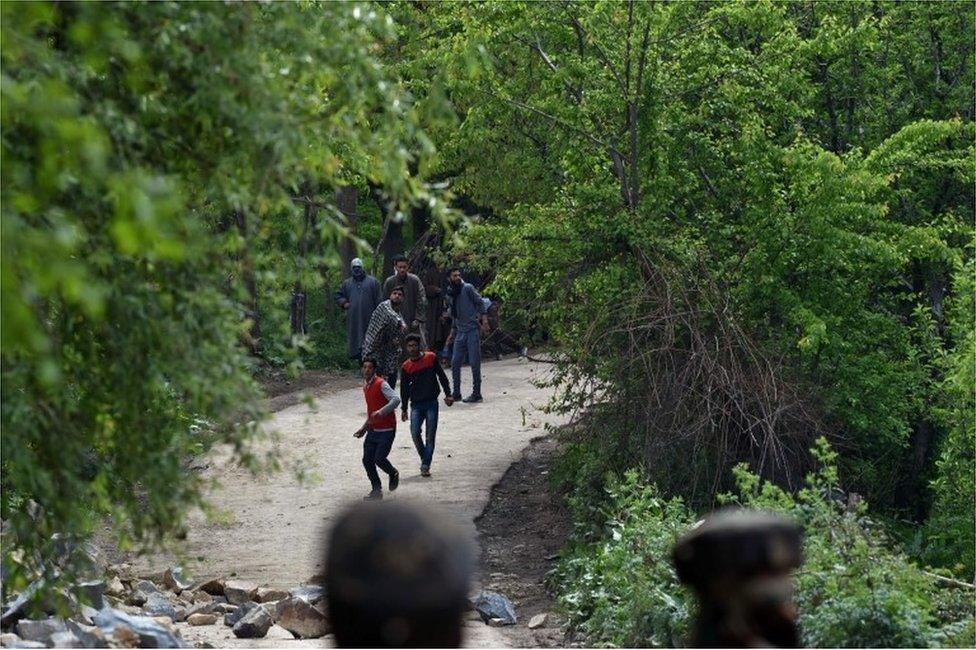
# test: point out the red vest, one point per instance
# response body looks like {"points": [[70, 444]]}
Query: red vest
{"points": [[375, 400]]}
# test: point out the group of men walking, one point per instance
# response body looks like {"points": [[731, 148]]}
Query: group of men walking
{"points": [[388, 338]]}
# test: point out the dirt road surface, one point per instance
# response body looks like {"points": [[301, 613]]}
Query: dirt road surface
{"points": [[272, 528]]}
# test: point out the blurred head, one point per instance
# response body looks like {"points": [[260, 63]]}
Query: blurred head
{"points": [[454, 276], [396, 295], [401, 265], [413, 346], [369, 368], [396, 576]]}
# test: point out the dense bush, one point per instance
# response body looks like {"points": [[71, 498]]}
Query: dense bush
{"points": [[855, 589]]}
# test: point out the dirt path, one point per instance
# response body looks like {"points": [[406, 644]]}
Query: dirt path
{"points": [[272, 528]]}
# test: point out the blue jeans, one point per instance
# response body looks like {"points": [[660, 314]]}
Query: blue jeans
{"points": [[420, 411], [467, 344], [376, 448]]}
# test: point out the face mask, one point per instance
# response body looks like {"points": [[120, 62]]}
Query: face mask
{"points": [[358, 272]]}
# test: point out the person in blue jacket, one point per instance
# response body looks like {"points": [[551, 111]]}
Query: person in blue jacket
{"points": [[468, 319]]}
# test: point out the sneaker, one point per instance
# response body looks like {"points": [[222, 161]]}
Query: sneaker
{"points": [[472, 398], [456, 397], [374, 495], [394, 480], [425, 472]]}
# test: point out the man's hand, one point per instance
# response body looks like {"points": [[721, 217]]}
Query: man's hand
{"points": [[415, 324], [345, 305], [376, 414], [360, 433], [403, 327], [403, 415], [448, 400]]}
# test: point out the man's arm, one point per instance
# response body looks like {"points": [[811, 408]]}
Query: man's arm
{"points": [[420, 312], [341, 296], [393, 400], [405, 382], [442, 377], [479, 305]]}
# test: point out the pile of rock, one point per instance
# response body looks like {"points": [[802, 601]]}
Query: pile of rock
{"points": [[129, 611]]}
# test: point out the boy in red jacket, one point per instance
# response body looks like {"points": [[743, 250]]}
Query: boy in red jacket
{"points": [[379, 429]]}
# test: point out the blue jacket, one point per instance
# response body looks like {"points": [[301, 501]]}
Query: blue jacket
{"points": [[468, 308]]}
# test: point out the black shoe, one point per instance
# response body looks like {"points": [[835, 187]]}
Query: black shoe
{"points": [[374, 495], [456, 397], [425, 472], [394, 480], [472, 398]]}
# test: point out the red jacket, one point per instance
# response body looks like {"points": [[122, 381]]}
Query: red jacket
{"points": [[375, 400]]}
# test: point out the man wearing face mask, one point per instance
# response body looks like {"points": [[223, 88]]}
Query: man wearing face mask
{"points": [[358, 296]]}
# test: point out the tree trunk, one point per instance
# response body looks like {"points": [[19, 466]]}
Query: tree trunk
{"points": [[346, 198], [298, 292]]}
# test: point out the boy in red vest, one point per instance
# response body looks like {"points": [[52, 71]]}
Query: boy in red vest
{"points": [[379, 429]]}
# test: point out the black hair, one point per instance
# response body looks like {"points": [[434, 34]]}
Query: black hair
{"points": [[412, 337], [399, 288], [369, 360], [400, 257], [453, 269]]}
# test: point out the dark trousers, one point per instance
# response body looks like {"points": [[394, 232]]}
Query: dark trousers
{"points": [[376, 447], [421, 413], [467, 346]]}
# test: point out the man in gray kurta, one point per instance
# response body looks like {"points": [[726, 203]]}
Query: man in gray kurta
{"points": [[414, 306], [358, 296]]}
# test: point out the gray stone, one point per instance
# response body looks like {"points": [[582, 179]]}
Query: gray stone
{"points": [[7, 639], [180, 613], [254, 625], [91, 593], [114, 587], [309, 593], [65, 640], [175, 580], [491, 605], [537, 621], [497, 622], [89, 635], [301, 618], [150, 633], [238, 591], [231, 618], [202, 597], [40, 630], [158, 605], [15, 608], [225, 608], [268, 595], [202, 619], [29, 644], [200, 608]]}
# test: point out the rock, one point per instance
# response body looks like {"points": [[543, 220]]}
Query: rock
{"points": [[238, 591], [149, 633], [158, 605], [180, 613], [8, 639], [491, 605], [231, 618], [254, 625], [29, 644], [41, 630], [317, 579], [199, 608], [202, 619], [279, 633], [122, 570], [301, 618], [497, 622], [213, 587], [310, 594], [65, 640], [91, 593], [124, 636], [15, 608], [202, 597], [174, 579], [114, 587], [268, 595], [225, 608], [89, 635], [203, 644], [537, 621]]}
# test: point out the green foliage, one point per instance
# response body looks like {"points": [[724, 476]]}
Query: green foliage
{"points": [[620, 589], [617, 585], [167, 183]]}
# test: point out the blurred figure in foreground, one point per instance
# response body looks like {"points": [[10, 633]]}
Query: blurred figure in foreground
{"points": [[740, 564], [396, 576]]}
